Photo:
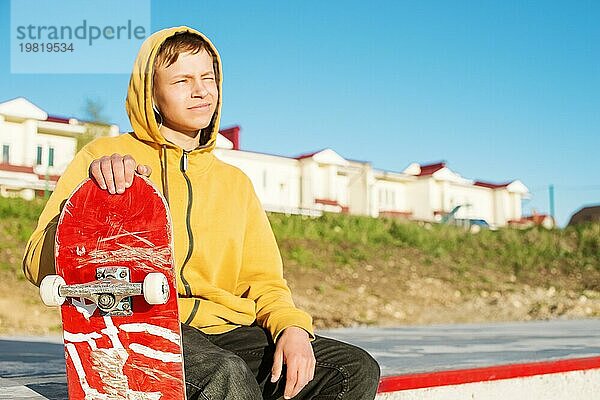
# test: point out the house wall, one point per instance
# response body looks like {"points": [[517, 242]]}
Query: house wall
{"points": [[477, 201], [64, 151], [391, 196], [11, 134], [341, 183], [276, 180], [419, 199], [357, 188]]}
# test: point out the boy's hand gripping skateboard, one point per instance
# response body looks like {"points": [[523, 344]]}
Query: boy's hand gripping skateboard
{"points": [[115, 283]]}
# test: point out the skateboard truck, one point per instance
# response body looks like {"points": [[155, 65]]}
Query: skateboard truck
{"points": [[117, 300], [111, 291]]}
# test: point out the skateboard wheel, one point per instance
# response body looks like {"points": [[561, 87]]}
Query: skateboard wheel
{"points": [[156, 288], [49, 290]]}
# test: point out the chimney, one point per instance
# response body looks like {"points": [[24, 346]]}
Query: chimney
{"points": [[233, 134]]}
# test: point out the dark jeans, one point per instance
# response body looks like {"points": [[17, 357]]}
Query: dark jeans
{"points": [[237, 365]]}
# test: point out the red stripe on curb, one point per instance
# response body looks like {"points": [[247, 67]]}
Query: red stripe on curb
{"points": [[459, 376]]}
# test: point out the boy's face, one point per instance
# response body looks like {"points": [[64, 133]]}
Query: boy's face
{"points": [[182, 90]]}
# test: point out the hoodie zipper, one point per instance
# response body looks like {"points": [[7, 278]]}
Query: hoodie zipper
{"points": [[188, 291]]}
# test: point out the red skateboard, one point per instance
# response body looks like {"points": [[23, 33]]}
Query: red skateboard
{"points": [[115, 284]]}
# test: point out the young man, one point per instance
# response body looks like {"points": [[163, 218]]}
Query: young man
{"points": [[243, 337]]}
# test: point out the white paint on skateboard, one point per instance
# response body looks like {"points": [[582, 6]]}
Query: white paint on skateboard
{"points": [[109, 362], [155, 354], [90, 393], [90, 338], [153, 330]]}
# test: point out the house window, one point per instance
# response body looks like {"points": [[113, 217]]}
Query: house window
{"points": [[51, 157], [38, 158], [5, 153]]}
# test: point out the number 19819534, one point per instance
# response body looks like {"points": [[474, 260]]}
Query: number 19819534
{"points": [[57, 47]]}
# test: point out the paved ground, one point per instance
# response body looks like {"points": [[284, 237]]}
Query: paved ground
{"points": [[443, 347], [33, 368]]}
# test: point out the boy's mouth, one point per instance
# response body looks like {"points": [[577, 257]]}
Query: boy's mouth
{"points": [[200, 106]]}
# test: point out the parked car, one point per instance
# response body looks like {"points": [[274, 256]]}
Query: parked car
{"points": [[474, 225]]}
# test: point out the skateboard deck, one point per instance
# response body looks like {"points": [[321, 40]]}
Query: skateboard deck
{"points": [[108, 246]]}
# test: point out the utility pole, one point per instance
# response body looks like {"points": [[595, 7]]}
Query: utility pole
{"points": [[551, 194]]}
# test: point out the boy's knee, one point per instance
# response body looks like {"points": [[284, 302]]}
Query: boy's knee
{"points": [[365, 373], [367, 365], [231, 378], [234, 368], [355, 360]]}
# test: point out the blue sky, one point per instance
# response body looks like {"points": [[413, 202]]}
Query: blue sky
{"points": [[501, 90]]}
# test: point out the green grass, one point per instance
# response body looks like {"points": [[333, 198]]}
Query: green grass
{"points": [[18, 219], [18, 208], [334, 240], [358, 238]]}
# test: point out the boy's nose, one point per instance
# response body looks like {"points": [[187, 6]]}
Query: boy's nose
{"points": [[199, 89]]}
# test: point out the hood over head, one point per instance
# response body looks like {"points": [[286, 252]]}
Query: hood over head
{"points": [[139, 94]]}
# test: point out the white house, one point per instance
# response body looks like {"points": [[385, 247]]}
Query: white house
{"points": [[325, 181], [36, 148], [439, 190]]}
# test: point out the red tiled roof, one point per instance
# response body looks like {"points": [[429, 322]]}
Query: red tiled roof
{"points": [[491, 185], [54, 118], [430, 169], [233, 134], [308, 155]]}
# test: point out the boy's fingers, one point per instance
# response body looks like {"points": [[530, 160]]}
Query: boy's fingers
{"points": [[107, 174], [300, 382], [312, 366], [144, 170], [96, 174], [291, 379], [129, 168], [118, 170], [277, 365], [115, 173]]}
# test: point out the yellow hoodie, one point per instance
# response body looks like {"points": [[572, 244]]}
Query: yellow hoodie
{"points": [[229, 269]]}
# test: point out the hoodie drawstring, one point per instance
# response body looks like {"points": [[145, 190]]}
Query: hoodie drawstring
{"points": [[163, 174]]}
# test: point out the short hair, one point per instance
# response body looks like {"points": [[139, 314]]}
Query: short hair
{"points": [[180, 42]]}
